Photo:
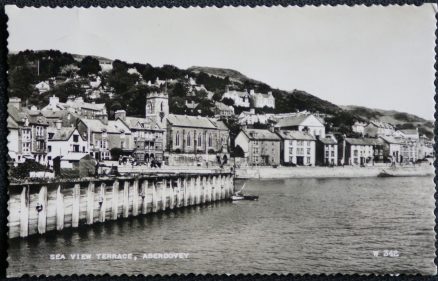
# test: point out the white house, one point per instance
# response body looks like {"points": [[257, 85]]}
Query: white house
{"points": [[359, 127], [297, 148], [63, 141], [259, 100], [359, 151], [42, 87], [241, 99], [302, 122], [393, 148]]}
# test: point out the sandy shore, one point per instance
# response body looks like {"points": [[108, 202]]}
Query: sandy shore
{"points": [[326, 172]]}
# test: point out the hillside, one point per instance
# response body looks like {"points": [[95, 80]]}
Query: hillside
{"points": [[125, 85], [397, 118], [232, 74]]}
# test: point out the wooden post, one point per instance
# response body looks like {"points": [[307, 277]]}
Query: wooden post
{"points": [[204, 190], [199, 190], [180, 192], [154, 197], [59, 209], [209, 188], [75, 207], [90, 203], [144, 192], [126, 199], [115, 200], [102, 202], [42, 215], [24, 212], [135, 198], [192, 191], [185, 192], [172, 194], [213, 187], [221, 187], [164, 194]]}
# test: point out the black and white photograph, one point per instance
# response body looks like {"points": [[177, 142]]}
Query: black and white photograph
{"points": [[264, 140]]}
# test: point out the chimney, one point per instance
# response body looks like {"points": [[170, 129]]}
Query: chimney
{"points": [[252, 110], [16, 102], [120, 114], [58, 124]]}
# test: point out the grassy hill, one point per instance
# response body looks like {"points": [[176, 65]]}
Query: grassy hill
{"points": [[399, 119]]}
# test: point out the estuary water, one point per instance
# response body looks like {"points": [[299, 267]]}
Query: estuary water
{"points": [[358, 225]]}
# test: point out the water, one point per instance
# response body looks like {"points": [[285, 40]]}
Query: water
{"points": [[297, 226]]}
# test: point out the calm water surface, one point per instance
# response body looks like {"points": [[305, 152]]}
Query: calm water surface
{"points": [[298, 226]]}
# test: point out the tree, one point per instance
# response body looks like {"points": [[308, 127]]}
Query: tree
{"points": [[89, 65], [217, 96], [21, 80], [238, 152], [228, 101]]}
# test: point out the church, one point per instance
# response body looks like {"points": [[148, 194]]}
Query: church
{"points": [[187, 139]]}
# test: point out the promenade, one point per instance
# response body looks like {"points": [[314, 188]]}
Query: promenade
{"points": [[331, 172]]}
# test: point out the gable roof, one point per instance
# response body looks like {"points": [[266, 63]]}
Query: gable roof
{"points": [[260, 134], [296, 120], [141, 123], [34, 117], [190, 121], [62, 134], [115, 127], [295, 135], [409, 132]]}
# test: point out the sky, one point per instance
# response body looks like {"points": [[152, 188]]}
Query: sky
{"points": [[379, 57]]}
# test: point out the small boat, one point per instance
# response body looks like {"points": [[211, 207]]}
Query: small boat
{"points": [[237, 196]]}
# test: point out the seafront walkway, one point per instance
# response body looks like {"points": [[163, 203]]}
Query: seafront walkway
{"points": [[268, 172]]}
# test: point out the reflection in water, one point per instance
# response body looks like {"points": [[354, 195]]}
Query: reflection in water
{"points": [[298, 226]]}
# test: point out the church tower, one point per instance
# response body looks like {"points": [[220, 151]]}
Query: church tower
{"points": [[157, 107]]}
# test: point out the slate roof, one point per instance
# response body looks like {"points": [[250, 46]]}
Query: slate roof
{"points": [[291, 121], [391, 140], [260, 134], [295, 135], [141, 123], [220, 125], [363, 141], [33, 116], [62, 134], [98, 126], [190, 121], [409, 132], [328, 140]]}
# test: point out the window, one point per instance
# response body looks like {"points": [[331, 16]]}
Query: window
{"points": [[291, 159], [177, 139], [210, 141], [300, 143], [308, 160], [51, 136], [355, 153], [199, 140], [83, 149], [333, 154], [75, 148], [308, 143], [49, 148], [291, 150], [75, 138], [122, 144], [189, 139], [308, 151], [300, 151], [327, 153]]}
